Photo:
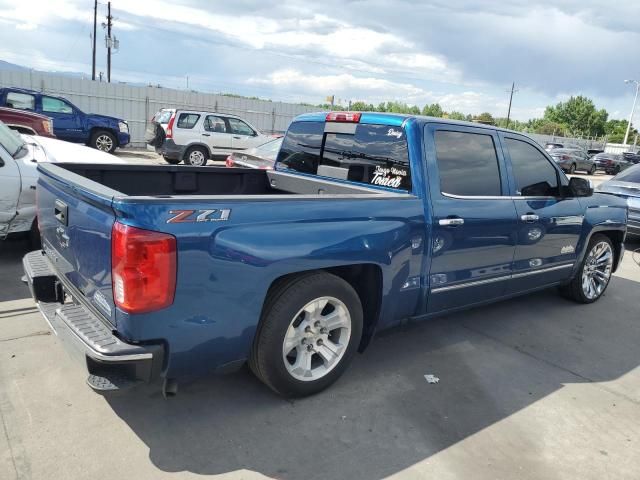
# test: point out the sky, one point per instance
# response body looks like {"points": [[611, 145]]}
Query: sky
{"points": [[459, 53]]}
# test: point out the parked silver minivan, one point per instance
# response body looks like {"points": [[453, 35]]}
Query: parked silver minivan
{"points": [[195, 136]]}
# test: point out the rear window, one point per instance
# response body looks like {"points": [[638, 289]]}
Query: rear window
{"points": [[188, 120], [163, 117], [374, 154]]}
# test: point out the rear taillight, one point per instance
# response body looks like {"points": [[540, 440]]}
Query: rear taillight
{"points": [[48, 126], [143, 268], [229, 162], [170, 126], [347, 117]]}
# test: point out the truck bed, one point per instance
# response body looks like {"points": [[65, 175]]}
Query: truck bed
{"points": [[170, 180]]}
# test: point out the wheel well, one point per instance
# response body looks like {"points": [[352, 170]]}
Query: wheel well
{"points": [[616, 237], [95, 130], [366, 280], [194, 145]]}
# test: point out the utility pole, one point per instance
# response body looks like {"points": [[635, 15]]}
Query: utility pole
{"points": [[513, 90], [633, 109], [95, 21], [109, 23]]}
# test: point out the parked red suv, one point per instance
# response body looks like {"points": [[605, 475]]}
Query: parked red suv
{"points": [[30, 123]]}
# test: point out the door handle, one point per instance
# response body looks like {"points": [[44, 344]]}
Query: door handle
{"points": [[530, 218], [206, 134], [237, 138], [451, 222]]}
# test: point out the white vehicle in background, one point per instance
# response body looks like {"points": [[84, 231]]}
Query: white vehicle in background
{"points": [[194, 136], [19, 158]]}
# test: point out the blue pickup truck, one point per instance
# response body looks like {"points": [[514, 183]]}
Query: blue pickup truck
{"points": [[69, 122], [367, 221]]}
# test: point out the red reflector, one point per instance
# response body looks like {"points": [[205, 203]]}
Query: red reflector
{"points": [[143, 268], [229, 162], [170, 126], [348, 117]]}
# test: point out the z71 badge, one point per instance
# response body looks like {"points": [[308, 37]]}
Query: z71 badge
{"points": [[192, 216]]}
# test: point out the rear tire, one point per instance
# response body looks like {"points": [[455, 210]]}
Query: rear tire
{"points": [[593, 170], [594, 274], [196, 157], [104, 141], [309, 331]]}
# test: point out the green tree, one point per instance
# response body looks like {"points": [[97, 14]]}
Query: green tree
{"points": [[433, 110], [580, 116], [486, 118], [616, 129], [362, 107], [455, 116]]}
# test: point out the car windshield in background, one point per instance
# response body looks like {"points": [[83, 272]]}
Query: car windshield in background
{"points": [[11, 141], [375, 154], [629, 175]]}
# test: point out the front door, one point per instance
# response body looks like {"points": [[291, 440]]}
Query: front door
{"points": [[243, 136], [474, 218], [67, 122], [549, 225], [9, 190]]}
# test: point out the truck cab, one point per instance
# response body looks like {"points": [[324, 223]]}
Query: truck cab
{"points": [[69, 122]]}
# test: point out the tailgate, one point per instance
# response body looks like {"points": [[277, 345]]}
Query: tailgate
{"points": [[75, 218]]}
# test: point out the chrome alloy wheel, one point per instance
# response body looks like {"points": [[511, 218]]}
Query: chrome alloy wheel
{"points": [[104, 143], [596, 272], [196, 158], [317, 339]]}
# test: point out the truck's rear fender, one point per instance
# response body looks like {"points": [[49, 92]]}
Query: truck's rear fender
{"points": [[226, 268], [606, 215]]}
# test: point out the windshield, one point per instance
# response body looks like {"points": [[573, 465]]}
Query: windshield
{"points": [[629, 175], [11, 141]]}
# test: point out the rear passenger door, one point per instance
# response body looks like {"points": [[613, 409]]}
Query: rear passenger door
{"points": [[549, 225], [216, 135], [474, 218]]}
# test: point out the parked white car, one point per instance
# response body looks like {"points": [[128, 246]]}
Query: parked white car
{"points": [[19, 158], [195, 136]]}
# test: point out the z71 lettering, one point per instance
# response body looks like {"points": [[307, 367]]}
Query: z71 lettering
{"points": [[192, 216]]}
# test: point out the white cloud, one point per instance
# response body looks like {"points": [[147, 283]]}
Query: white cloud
{"points": [[26, 26]]}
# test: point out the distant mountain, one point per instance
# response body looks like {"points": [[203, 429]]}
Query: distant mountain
{"points": [[11, 66]]}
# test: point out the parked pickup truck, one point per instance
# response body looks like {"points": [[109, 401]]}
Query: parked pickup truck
{"points": [[69, 122], [367, 220]]}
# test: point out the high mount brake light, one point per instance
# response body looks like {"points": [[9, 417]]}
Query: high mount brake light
{"points": [[143, 268], [170, 126], [346, 117]]}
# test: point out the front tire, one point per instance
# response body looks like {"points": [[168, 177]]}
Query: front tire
{"points": [[309, 331], [572, 168], [594, 274], [104, 141], [196, 157], [593, 170]]}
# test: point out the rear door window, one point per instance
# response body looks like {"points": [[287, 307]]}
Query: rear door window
{"points": [[23, 101], [373, 154], [188, 120], [468, 164]]}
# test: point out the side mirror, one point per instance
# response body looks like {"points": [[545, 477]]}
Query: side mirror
{"points": [[1, 162], [580, 187]]}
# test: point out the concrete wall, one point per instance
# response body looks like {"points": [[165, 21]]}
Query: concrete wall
{"points": [[138, 104]]}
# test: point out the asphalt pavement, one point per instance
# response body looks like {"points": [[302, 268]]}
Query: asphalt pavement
{"points": [[532, 388]]}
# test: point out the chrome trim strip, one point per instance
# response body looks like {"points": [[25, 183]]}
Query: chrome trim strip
{"points": [[470, 284], [495, 197], [542, 270], [499, 279]]}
